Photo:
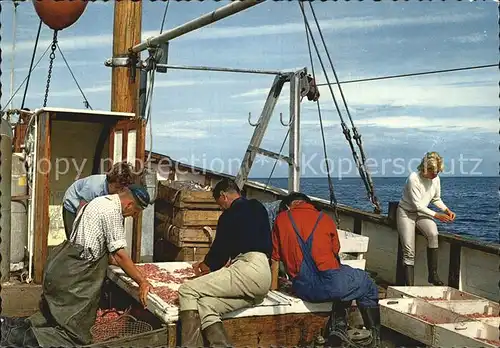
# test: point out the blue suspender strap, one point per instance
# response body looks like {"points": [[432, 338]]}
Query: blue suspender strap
{"points": [[306, 246], [297, 230]]}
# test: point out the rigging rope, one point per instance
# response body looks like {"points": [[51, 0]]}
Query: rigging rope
{"points": [[164, 16], [387, 77], [333, 198], [149, 94], [31, 64], [85, 100], [26, 78], [277, 159], [51, 64], [347, 132], [357, 137]]}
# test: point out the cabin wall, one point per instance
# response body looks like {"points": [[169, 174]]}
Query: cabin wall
{"points": [[72, 156]]}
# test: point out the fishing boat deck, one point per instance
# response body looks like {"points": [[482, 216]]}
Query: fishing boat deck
{"points": [[290, 323]]}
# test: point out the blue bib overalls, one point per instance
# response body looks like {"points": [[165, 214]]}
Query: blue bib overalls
{"points": [[344, 284]]}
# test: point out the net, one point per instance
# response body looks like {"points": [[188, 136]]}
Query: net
{"points": [[113, 324]]}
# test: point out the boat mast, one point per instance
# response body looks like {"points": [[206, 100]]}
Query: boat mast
{"points": [[126, 33], [125, 84]]}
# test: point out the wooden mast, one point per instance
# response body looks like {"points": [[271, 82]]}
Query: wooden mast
{"points": [[125, 95], [126, 33]]}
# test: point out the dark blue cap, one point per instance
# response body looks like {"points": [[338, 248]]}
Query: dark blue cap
{"points": [[140, 194]]}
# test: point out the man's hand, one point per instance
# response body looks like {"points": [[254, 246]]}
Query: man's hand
{"points": [[144, 288], [200, 268], [125, 262], [112, 260], [443, 217], [450, 214]]}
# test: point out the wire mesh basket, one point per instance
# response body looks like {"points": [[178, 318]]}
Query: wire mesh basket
{"points": [[113, 325]]}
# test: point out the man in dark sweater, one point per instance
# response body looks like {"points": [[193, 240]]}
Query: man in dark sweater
{"points": [[234, 274]]}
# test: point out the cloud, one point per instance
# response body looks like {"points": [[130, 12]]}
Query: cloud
{"points": [[220, 31], [346, 23], [198, 129], [471, 38], [412, 93], [63, 65], [473, 89], [107, 87], [431, 124]]}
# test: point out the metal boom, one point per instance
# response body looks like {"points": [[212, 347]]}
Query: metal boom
{"points": [[196, 23]]}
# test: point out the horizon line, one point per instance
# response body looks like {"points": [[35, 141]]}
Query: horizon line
{"points": [[379, 177]]}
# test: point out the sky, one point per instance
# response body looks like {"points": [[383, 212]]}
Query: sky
{"points": [[201, 117]]}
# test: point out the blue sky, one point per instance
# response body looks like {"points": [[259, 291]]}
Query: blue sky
{"points": [[201, 117]]}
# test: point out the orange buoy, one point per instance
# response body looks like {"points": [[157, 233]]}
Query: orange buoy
{"points": [[57, 14]]}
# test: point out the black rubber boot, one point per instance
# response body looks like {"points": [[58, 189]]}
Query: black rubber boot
{"points": [[336, 329], [190, 329], [216, 335], [371, 318], [409, 275], [432, 265]]}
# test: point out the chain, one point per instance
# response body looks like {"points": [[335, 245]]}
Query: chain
{"points": [[52, 57]]}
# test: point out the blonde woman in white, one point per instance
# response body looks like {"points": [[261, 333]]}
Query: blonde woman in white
{"points": [[422, 188]]}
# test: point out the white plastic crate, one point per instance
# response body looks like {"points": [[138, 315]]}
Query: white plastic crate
{"points": [[415, 318], [430, 293], [352, 242], [469, 334], [474, 309]]}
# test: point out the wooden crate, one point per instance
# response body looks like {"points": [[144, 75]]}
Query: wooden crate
{"points": [[186, 217], [186, 236], [164, 251], [186, 196]]}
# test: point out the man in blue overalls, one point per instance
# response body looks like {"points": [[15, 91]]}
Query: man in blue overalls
{"points": [[306, 241]]}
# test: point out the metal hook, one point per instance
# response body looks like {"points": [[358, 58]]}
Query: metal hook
{"points": [[283, 123], [250, 121]]}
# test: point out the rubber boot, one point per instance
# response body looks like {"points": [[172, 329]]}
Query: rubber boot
{"points": [[432, 265], [371, 318], [336, 330], [190, 329], [409, 275], [216, 335]]}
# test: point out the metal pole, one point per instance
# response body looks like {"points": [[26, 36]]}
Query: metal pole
{"points": [[197, 23], [13, 57], [210, 68], [294, 145]]}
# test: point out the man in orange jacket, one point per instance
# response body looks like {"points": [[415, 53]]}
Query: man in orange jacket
{"points": [[306, 241]]}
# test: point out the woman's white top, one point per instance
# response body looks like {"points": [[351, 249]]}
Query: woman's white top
{"points": [[419, 192]]}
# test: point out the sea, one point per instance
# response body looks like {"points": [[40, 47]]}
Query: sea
{"points": [[475, 200]]}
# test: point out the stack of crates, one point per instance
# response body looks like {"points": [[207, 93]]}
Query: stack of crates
{"points": [[186, 218]]}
